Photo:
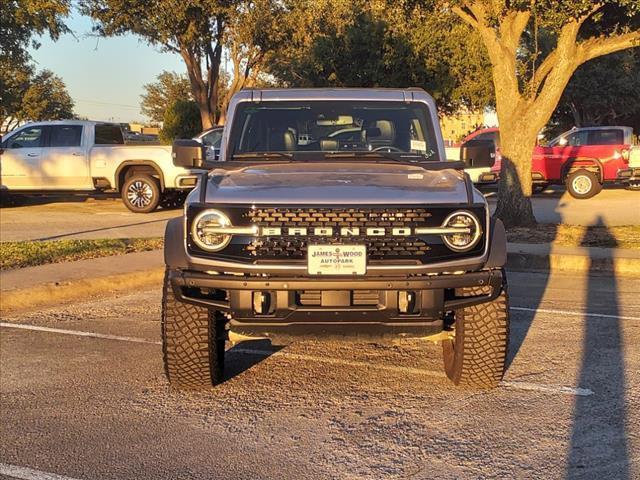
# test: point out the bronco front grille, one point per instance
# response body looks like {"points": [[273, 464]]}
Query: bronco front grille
{"points": [[392, 248], [293, 247]]}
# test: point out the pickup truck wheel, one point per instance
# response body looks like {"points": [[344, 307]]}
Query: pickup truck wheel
{"points": [[141, 193], [583, 184], [477, 354], [192, 342]]}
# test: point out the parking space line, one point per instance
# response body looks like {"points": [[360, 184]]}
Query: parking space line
{"points": [[573, 313], [26, 473], [77, 333], [554, 389]]}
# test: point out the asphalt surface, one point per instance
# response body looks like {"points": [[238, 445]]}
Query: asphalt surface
{"points": [[612, 207], [98, 407], [79, 218], [82, 217]]}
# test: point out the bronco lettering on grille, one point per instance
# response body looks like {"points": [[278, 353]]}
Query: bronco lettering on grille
{"points": [[330, 231]]}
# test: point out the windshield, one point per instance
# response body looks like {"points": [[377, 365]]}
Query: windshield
{"points": [[324, 128]]}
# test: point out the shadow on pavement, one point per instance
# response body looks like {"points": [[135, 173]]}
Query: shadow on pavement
{"points": [[244, 355], [599, 434]]}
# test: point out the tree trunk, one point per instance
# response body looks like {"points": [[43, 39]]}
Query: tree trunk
{"points": [[514, 191]]}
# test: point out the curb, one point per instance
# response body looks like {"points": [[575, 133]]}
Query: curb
{"points": [[48, 294], [624, 267]]}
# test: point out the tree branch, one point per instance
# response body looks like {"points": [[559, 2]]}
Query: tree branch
{"points": [[598, 46], [466, 17]]}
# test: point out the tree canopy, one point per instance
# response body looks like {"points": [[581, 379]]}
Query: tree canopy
{"points": [[164, 92], [193, 30], [181, 120]]}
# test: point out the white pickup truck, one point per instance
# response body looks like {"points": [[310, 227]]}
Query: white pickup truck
{"points": [[83, 156]]}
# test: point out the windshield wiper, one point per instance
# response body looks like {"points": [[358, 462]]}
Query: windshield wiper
{"points": [[288, 156]]}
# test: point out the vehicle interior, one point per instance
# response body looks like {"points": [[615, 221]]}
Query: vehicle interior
{"points": [[334, 127]]}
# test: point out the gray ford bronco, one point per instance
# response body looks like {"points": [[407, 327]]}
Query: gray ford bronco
{"points": [[333, 213]]}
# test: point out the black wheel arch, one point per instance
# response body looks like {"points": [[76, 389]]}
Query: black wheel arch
{"points": [[566, 168], [175, 256], [126, 166], [497, 244]]}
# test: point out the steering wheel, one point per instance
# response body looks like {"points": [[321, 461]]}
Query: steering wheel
{"points": [[387, 148]]}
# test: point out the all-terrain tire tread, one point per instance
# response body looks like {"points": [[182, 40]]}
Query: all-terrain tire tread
{"points": [[484, 340], [192, 342]]}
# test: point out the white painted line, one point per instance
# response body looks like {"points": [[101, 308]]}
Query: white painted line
{"points": [[555, 389], [76, 333], [572, 313], [580, 392], [26, 473]]}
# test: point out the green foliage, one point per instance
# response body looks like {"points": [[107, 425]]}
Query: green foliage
{"points": [[46, 98], [382, 44], [21, 20], [181, 120], [602, 92], [161, 94], [192, 29], [31, 97], [29, 254]]}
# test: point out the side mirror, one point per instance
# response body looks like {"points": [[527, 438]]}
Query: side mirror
{"points": [[478, 153], [189, 153]]}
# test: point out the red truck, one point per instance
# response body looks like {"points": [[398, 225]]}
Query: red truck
{"points": [[583, 159]]}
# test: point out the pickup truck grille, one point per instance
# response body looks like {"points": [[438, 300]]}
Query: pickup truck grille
{"points": [[292, 247]]}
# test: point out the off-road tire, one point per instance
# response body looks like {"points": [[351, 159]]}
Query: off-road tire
{"points": [[192, 342], [588, 176], [477, 355], [143, 183]]}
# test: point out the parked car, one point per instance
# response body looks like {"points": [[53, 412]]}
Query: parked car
{"points": [[631, 176], [583, 159], [333, 213], [483, 169], [211, 139], [84, 156]]}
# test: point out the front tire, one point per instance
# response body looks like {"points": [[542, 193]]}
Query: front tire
{"points": [[193, 340], [477, 355], [583, 184], [141, 193]]}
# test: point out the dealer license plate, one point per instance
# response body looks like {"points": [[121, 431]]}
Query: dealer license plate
{"points": [[337, 259]]}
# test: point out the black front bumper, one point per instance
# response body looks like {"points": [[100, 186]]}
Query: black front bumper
{"points": [[365, 305]]}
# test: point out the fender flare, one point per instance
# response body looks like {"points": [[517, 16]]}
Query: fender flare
{"points": [[571, 161], [134, 163], [175, 256], [497, 245]]}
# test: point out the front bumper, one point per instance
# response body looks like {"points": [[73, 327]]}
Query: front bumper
{"points": [[366, 306], [629, 175]]}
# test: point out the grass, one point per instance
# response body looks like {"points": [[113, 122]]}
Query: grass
{"points": [[28, 254], [579, 236]]}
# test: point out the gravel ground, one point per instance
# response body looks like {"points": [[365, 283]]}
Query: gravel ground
{"points": [[90, 408]]}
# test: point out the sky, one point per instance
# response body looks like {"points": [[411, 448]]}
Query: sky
{"points": [[104, 76]]}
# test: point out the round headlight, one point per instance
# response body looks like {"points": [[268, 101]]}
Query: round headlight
{"points": [[203, 230], [470, 231]]}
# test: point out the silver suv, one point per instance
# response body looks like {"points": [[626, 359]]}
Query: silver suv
{"points": [[333, 213]]}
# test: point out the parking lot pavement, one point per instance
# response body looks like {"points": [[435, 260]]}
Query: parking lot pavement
{"points": [[612, 206], [88, 399], [80, 218]]}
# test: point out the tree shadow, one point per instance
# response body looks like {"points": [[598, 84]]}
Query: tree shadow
{"points": [[599, 445]]}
